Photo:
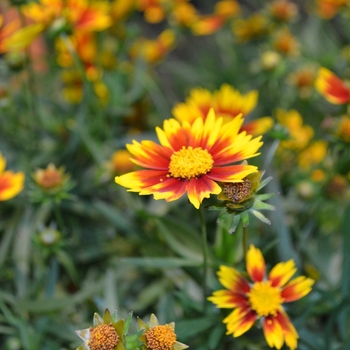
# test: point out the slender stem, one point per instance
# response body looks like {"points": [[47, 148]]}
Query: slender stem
{"points": [[245, 247], [205, 256], [58, 216]]}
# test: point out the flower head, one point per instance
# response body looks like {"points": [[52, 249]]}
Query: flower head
{"points": [[106, 334], [331, 87], [159, 337], [227, 103], [51, 183], [191, 158], [241, 198], [10, 183], [261, 299]]}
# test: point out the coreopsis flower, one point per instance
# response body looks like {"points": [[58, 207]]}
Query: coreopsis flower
{"points": [[156, 336], [107, 333], [10, 183], [153, 51], [227, 103], [255, 26], [299, 134], [122, 8], [331, 87], [261, 299], [6, 30], [241, 198], [283, 10], [191, 158], [152, 9], [327, 9]]}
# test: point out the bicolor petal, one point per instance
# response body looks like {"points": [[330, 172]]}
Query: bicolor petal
{"points": [[297, 288], [255, 264]]}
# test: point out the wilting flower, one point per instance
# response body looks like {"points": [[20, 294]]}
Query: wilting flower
{"points": [[107, 333], [191, 158], [156, 336], [10, 183], [261, 299], [227, 103], [331, 87], [241, 198]]}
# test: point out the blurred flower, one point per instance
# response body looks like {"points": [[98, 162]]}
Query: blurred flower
{"points": [[241, 198], [303, 79], [50, 178], [261, 299], [191, 158], [255, 26], [80, 15], [154, 50], [152, 9], [299, 134], [121, 163], [285, 43], [283, 10], [159, 337], [72, 85], [51, 183], [6, 31], [10, 183], [343, 129], [122, 8], [270, 59], [327, 9], [338, 188], [227, 103], [107, 333], [332, 88], [318, 175], [49, 240], [312, 154], [184, 14], [208, 24]]}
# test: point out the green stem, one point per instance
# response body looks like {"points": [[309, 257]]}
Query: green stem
{"points": [[58, 216], [245, 246], [205, 256]]}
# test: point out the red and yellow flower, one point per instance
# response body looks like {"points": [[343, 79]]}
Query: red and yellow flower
{"points": [[261, 299], [227, 103], [191, 158], [327, 9], [331, 87], [7, 30], [10, 183]]}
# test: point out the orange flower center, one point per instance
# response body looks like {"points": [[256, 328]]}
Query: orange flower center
{"points": [[103, 337], [265, 299], [238, 190], [190, 162], [160, 338], [50, 178]]}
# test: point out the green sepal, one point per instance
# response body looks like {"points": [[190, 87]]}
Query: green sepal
{"points": [[260, 216], [263, 206]]}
